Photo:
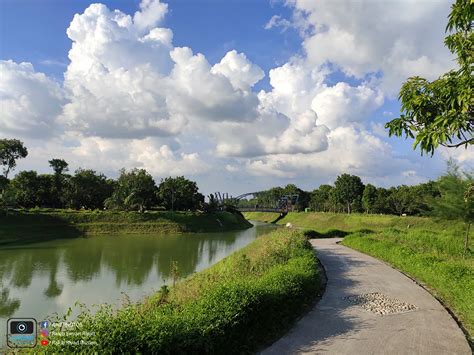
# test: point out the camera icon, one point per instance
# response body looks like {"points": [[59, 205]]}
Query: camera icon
{"points": [[22, 327], [21, 332]]}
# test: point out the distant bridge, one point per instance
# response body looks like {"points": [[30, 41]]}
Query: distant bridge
{"points": [[247, 194], [282, 205]]}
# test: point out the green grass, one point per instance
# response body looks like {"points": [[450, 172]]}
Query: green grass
{"points": [[434, 258], [427, 249], [325, 222], [236, 306], [28, 225]]}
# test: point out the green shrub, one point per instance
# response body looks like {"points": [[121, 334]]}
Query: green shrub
{"points": [[235, 306]]}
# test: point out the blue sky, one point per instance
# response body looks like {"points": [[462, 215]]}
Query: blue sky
{"points": [[34, 31], [284, 92]]}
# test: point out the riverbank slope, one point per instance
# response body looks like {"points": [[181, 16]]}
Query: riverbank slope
{"points": [[347, 223], [28, 225]]}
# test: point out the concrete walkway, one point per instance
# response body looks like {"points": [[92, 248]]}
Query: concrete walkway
{"points": [[335, 326]]}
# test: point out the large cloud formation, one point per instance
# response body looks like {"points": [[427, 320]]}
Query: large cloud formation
{"points": [[377, 46], [116, 80], [385, 36], [131, 98], [30, 102], [126, 80]]}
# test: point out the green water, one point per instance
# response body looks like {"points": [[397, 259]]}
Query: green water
{"points": [[39, 279]]}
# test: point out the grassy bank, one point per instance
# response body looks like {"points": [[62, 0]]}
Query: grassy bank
{"points": [[434, 258], [34, 224], [236, 306], [429, 250], [348, 223]]}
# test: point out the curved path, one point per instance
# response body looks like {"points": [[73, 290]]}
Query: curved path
{"points": [[335, 326]]}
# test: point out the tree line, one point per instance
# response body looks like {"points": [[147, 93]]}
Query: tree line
{"points": [[136, 190], [451, 196], [133, 190], [349, 194]]}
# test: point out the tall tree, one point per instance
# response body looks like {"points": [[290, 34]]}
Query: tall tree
{"points": [[369, 198], [348, 191], [320, 198], [46, 193], [7, 195], [441, 112], [3, 183], [59, 166], [26, 185], [422, 195], [401, 199], [456, 200], [10, 151], [134, 190], [87, 189], [179, 194], [381, 204]]}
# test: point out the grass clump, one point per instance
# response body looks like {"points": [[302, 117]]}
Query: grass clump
{"points": [[236, 306], [437, 259]]}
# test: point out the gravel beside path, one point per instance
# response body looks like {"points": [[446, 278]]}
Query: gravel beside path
{"points": [[370, 308]]}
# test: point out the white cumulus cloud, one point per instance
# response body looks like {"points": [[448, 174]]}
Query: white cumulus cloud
{"points": [[242, 73], [130, 98], [386, 36], [198, 92], [126, 80], [341, 104], [29, 101], [350, 150], [150, 14]]}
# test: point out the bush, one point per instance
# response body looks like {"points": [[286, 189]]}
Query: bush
{"points": [[235, 306]]}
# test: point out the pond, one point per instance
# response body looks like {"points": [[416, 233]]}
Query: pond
{"points": [[40, 279]]}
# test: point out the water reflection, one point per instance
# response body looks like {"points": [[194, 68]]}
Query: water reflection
{"points": [[130, 258], [7, 306], [54, 288], [82, 258], [42, 278]]}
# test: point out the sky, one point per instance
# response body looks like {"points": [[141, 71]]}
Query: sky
{"points": [[239, 96]]}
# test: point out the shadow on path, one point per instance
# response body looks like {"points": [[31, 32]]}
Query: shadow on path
{"points": [[330, 317], [337, 326]]}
